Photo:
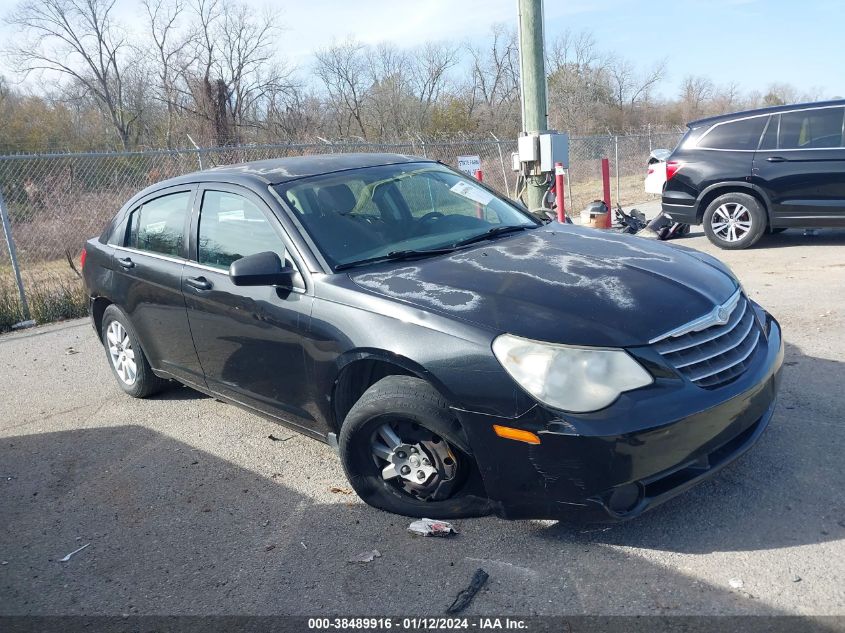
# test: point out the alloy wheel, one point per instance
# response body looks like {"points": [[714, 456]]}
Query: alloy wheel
{"points": [[121, 353], [731, 222], [415, 460]]}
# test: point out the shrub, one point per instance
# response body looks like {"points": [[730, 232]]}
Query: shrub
{"points": [[10, 311], [62, 299]]}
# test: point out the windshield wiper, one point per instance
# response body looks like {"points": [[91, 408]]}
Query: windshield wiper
{"points": [[498, 230], [411, 254], [395, 256]]}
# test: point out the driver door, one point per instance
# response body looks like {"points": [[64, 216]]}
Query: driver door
{"points": [[249, 340]]}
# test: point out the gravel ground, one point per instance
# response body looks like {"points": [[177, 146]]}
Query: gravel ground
{"points": [[189, 508]]}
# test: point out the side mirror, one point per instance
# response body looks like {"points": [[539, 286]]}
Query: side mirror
{"points": [[261, 269]]}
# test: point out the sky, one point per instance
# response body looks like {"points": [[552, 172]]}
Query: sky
{"points": [[750, 42]]}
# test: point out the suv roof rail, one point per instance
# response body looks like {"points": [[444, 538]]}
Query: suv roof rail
{"points": [[766, 110]]}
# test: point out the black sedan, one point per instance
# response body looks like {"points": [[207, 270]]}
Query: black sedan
{"points": [[463, 357]]}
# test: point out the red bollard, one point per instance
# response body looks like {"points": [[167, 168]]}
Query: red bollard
{"points": [[561, 208], [479, 210], [605, 178]]}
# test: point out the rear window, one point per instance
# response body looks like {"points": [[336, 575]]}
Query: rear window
{"points": [[691, 136], [736, 135], [811, 129], [159, 225]]}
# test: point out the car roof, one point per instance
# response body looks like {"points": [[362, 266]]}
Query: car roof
{"points": [[761, 111], [278, 170]]}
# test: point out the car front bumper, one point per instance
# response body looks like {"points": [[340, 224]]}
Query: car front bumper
{"points": [[649, 446]]}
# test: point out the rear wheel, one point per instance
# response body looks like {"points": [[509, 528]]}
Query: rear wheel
{"points": [[126, 358], [404, 452], [734, 221]]}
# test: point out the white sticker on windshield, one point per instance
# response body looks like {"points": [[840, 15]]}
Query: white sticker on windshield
{"points": [[476, 194]]}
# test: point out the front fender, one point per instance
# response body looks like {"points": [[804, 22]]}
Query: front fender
{"points": [[455, 358]]}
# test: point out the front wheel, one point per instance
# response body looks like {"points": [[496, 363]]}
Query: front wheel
{"points": [[734, 221], [404, 452]]}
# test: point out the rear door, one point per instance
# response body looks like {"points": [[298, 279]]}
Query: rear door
{"points": [[148, 262], [249, 339], [801, 166]]}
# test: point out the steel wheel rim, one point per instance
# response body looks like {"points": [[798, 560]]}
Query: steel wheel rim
{"points": [[121, 353], [731, 222], [415, 460]]}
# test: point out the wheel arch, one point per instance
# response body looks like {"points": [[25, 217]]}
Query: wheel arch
{"points": [[712, 192], [105, 305], [361, 369], [98, 309]]}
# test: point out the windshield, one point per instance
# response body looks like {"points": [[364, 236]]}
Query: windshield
{"points": [[373, 212]]}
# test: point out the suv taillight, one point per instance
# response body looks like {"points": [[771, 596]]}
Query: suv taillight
{"points": [[82, 257], [672, 167]]}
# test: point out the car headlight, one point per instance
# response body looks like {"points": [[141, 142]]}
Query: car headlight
{"points": [[576, 379]]}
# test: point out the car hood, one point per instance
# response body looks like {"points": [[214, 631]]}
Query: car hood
{"points": [[564, 285]]}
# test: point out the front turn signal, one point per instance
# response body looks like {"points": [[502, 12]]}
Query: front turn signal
{"points": [[519, 435]]}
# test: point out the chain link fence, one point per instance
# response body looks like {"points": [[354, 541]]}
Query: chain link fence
{"points": [[53, 203]]}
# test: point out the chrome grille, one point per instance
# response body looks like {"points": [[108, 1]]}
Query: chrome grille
{"points": [[715, 349]]}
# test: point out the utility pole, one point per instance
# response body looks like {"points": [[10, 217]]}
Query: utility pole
{"points": [[533, 78]]}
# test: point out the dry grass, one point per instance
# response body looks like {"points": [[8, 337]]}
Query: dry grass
{"points": [[53, 291], [631, 192]]}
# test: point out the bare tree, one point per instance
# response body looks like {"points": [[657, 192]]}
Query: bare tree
{"points": [[248, 63], [574, 50], [343, 70], [579, 86], [630, 87], [294, 116], [80, 40], [696, 93], [210, 68], [780, 93], [229, 76], [169, 55], [388, 109], [430, 74], [495, 76]]}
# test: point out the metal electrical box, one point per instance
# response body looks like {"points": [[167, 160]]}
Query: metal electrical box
{"points": [[527, 148], [538, 152], [554, 148]]}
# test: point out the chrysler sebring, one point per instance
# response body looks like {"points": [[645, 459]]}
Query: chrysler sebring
{"points": [[462, 356]]}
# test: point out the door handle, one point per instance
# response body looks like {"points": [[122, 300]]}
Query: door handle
{"points": [[200, 283], [126, 262], [776, 159]]}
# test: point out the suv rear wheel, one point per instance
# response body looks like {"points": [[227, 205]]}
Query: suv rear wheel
{"points": [[734, 221]]}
